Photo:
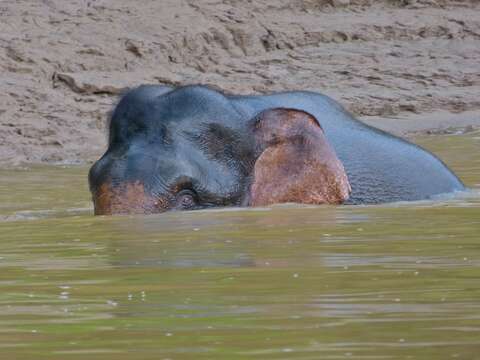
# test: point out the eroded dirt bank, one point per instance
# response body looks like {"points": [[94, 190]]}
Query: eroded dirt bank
{"points": [[63, 63]]}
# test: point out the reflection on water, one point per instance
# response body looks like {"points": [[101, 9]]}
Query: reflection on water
{"points": [[397, 281]]}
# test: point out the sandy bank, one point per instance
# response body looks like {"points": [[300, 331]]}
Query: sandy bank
{"points": [[406, 66]]}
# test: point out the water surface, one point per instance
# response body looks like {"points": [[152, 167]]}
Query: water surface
{"points": [[397, 281]]}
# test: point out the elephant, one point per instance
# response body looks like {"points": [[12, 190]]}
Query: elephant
{"points": [[194, 147]]}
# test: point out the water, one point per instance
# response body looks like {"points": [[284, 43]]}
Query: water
{"points": [[398, 281]]}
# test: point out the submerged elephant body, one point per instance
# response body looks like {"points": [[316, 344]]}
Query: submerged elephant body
{"points": [[193, 147]]}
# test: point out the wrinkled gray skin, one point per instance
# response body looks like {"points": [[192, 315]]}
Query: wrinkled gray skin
{"points": [[380, 167]]}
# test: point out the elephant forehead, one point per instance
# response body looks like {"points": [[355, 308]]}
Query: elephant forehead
{"points": [[196, 102], [160, 118]]}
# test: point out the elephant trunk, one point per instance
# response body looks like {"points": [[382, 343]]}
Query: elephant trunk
{"points": [[125, 198]]}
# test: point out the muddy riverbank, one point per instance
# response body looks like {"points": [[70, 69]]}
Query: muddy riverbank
{"points": [[405, 66]]}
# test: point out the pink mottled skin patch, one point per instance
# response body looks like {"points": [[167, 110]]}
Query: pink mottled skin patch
{"points": [[297, 163], [127, 198]]}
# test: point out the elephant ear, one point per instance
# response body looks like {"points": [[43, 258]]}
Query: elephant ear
{"points": [[294, 161]]}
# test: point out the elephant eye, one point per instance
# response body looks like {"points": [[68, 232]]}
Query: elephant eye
{"points": [[186, 199]]}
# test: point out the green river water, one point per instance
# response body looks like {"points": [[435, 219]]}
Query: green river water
{"points": [[397, 281]]}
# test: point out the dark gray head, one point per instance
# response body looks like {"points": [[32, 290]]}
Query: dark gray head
{"points": [[187, 148]]}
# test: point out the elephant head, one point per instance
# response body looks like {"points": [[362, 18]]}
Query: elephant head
{"points": [[192, 148]]}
